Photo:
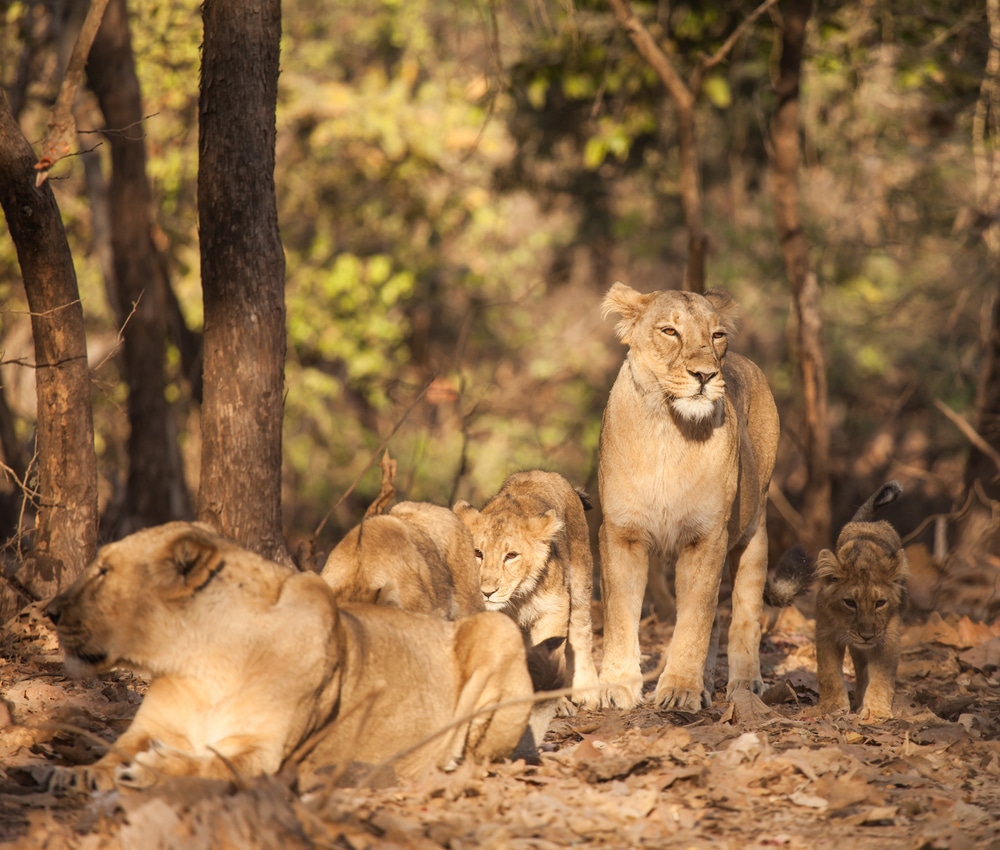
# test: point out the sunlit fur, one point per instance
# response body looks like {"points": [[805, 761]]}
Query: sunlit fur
{"points": [[535, 565], [862, 590], [249, 659], [688, 443]]}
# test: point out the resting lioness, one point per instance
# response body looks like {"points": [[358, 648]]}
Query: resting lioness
{"points": [[249, 658], [418, 557], [862, 589], [533, 551], [687, 447]]}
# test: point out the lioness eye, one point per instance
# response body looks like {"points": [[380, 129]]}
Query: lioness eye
{"points": [[510, 556], [669, 331], [850, 603], [479, 554], [719, 335]]}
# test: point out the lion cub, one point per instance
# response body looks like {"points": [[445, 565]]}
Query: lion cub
{"points": [[862, 589], [535, 565], [418, 557]]}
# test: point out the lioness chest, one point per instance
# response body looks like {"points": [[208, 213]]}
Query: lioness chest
{"points": [[661, 482]]}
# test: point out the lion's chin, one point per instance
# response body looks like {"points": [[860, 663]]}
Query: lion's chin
{"points": [[696, 408], [85, 665]]}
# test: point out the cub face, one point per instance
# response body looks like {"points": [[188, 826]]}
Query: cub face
{"points": [[678, 342], [511, 552], [863, 585]]}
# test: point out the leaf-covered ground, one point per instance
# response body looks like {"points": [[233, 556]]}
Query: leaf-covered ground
{"points": [[745, 775]]}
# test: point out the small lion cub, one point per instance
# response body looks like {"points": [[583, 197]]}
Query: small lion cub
{"points": [[535, 565], [862, 589]]}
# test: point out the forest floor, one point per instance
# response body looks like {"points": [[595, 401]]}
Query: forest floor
{"points": [[730, 777]]}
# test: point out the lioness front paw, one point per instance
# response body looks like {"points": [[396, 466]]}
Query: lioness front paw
{"points": [[874, 714], [682, 699], [622, 697]]}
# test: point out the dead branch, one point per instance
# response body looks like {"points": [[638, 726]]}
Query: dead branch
{"points": [[970, 434], [61, 133]]}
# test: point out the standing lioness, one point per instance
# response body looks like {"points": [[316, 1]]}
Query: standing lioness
{"points": [[687, 447]]}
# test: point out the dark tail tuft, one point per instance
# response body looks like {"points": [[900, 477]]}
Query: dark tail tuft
{"points": [[886, 494], [588, 503], [547, 664], [791, 577]]}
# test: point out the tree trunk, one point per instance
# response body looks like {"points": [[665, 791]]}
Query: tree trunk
{"points": [[156, 491], [785, 139], [243, 272], [979, 528], [684, 99], [66, 531]]}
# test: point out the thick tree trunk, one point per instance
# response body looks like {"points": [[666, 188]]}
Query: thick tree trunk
{"points": [[66, 531], [156, 491], [978, 527], [812, 369], [243, 274]]}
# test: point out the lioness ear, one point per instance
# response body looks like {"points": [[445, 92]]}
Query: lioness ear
{"points": [[827, 566], [627, 303], [194, 560], [725, 305]]}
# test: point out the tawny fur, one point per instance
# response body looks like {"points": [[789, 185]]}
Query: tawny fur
{"points": [[418, 557], [249, 659], [687, 448], [535, 565], [859, 603]]}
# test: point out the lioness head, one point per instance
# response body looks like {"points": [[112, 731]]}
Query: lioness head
{"points": [[131, 605], [677, 342], [863, 584], [511, 551]]}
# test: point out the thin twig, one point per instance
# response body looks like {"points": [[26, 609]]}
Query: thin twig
{"points": [[971, 434]]}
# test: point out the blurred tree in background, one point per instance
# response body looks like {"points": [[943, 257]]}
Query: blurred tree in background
{"points": [[458, 184]]}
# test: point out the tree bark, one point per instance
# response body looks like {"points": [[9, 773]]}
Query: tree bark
{"points": [[978, 527], [155, 491], [243, 274], [66, 531], [812, 368]]}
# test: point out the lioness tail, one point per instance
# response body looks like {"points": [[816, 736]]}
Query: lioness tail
{"points": [[791, 577]]}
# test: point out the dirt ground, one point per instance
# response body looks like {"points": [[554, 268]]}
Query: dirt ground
{"points": [[736, 776]]}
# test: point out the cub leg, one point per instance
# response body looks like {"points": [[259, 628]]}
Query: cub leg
{"points": [[876, 684], [699, 574], [749, 573], [581, 638], [624, 568], [830, 672]]}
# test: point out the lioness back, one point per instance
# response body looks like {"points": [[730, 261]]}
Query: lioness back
{"points": [[532, 546], [418, 557], [687, 448]]}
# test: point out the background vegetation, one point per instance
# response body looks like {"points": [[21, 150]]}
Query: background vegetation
{"points": [[458, 185]]}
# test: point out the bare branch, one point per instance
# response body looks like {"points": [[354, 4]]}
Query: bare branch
{"points": [[971, 434]]}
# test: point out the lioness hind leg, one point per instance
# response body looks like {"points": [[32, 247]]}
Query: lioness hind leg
{"points": [[624, 569], [748, 567]]}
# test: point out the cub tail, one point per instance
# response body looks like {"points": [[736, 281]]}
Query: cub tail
{"points": [[885, 495]]}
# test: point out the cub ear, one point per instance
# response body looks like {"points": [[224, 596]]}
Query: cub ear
{"points": [[725, 305], [827, 567], [388, 595], [465, 511], [627, 303], [193, 560], [546, 526]]}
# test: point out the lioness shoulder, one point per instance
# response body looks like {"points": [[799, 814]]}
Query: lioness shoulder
{"points": [[687, 447], [249, 659], [859, 603], [418, 557], [533, 551]]}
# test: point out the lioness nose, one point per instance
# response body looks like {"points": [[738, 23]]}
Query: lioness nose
{"points": [[704, 377]]}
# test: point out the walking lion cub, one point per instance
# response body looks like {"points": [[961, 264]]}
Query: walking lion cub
{"points": [[250, 659], [862, 589], [535, 565]]}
